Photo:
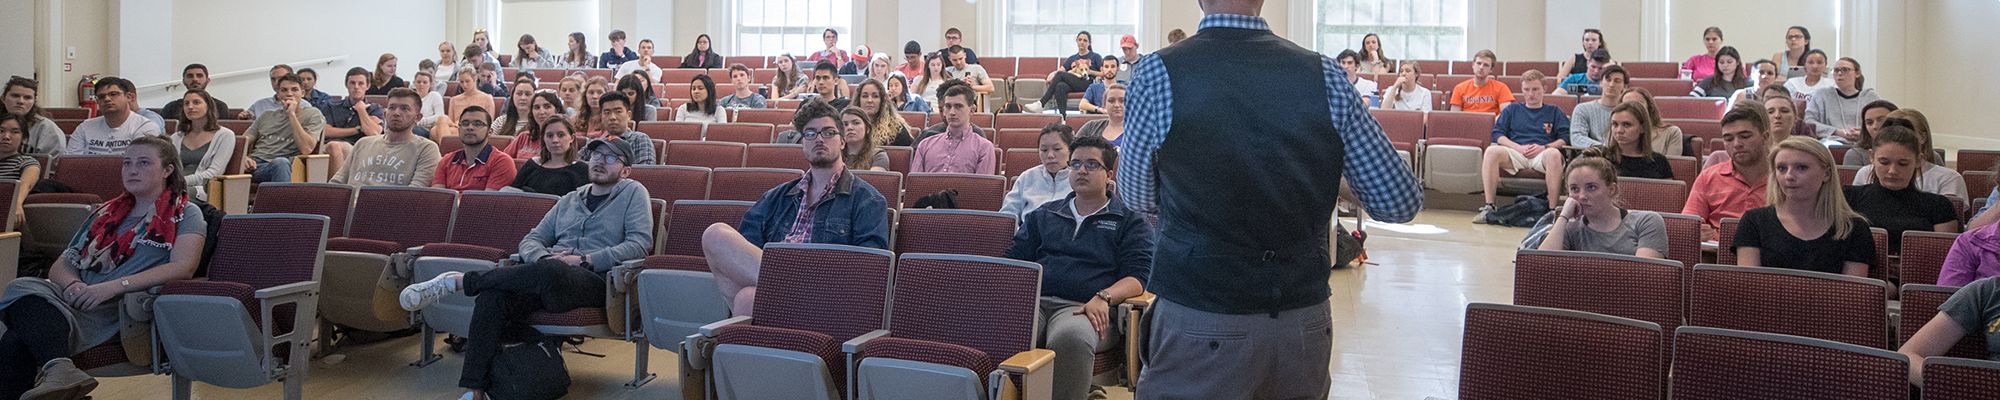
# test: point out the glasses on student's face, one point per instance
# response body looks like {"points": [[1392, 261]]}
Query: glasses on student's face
{"points": [[600, 157], [1843, 70], [1795, 37], [1086, 165], [819, 134]]}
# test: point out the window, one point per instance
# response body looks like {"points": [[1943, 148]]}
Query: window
{"points": [[1048, 27], [773, 27], [1410, 29]]}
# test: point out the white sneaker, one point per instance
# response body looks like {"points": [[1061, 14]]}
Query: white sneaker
{"points": [[422, 294], [1032, 107]]}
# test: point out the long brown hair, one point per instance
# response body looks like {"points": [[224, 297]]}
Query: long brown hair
{"points": [[1611, 151], [381, 77], [884, 124], [1922, 127], [569, 153], [169, 158], [581, 53], [208, 124], [862, 158]]}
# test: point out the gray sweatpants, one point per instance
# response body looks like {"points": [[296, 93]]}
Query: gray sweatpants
{"points": [[1076, 345], [1202, 355]]}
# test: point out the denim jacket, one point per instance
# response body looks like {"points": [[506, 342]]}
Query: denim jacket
{"points": [[855, 214]]}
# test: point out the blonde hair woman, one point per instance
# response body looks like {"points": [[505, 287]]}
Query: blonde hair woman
{"points": [[1805, 196]]}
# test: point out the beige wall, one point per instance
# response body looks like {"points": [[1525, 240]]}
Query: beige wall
{"points": [[1755, 28], [84, 28], [1952, 85]]}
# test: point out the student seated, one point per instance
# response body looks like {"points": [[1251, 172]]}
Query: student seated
{"points": [[1667, 138], [1807, 199], [1872, 115], [1406, 94], [1076, 74], [556, 171], [1094, 253], [1726, 190], [885, 126], [1527, 136], [1986, 215], [1632, 144], [477, 166], [960, 148], [1112, 129], [1836, 111], [395, 158], [861, 151], [1974, 255], [1093, 98], [1593, 221], [746, 94], [145, 237], [17, 166], [827, 204], [1890, 200], [1930, 177], [1590, 122], [1046, 182], [116, 126], [701, 106], [1587, 82], [565, 259], [1729, 76], [43, 137], [277, 136], [616, 115], [1481, 93], [1974, 310]]}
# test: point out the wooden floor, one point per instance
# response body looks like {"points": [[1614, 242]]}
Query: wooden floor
{"points": [[1397, 323]]}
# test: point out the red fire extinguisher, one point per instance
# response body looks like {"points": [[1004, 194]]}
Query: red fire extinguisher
{"points": [[86, 94]]}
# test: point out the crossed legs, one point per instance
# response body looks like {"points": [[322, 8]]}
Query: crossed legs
{"points": [[734, 261]]}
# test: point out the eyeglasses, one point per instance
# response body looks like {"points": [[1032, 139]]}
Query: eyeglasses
{"points": [[822, 134], [1843, 70], [1795, 37], [600, 157], [1087, 165]]}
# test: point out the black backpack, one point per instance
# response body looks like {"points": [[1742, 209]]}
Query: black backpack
{"points": [[214, 218], [1521, 214], [529, 370]]}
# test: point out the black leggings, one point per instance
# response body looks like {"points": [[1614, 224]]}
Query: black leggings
{"points": [[505, 297], [1060, 88], [35, 335]]}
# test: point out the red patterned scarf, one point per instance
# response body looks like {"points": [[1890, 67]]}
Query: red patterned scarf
{"points": [[107, 246]]}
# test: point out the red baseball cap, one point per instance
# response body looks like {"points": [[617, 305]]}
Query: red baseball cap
{"points": [[1128, 41]]}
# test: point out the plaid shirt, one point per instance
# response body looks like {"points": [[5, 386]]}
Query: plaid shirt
{"points": [[1386, 187], [802, 225]]}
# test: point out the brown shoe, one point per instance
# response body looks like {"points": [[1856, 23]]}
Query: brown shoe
{"points": [[60, 380]]}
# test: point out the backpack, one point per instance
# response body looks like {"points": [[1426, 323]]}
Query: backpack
{"points": [[1348, 246], [529, 370], [1521, 214], [943, 199], [213, 216]]}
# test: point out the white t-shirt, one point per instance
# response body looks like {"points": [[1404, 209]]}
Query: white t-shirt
{"points": [[95, 136], [683, 115], [1803, 92], [629, 66], [1935, 179], [978, 72], [433, 108], [1366, 87], [1417, 100]]}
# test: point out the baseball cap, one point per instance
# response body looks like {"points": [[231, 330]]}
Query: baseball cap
{"points": [[1128, 41], [618, 148]]}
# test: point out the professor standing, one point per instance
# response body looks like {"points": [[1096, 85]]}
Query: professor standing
{"points": [[1238, 141]]}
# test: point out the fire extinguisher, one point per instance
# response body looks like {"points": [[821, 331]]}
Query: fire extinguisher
{"points": [[86, 94]]}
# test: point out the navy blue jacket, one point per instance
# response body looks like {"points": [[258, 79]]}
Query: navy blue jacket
{"points": [[855, 215], [1113, 244]]}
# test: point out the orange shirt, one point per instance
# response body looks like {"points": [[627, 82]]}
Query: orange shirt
{"points": [[1469, 96], [491, 169], [1719, 193]]}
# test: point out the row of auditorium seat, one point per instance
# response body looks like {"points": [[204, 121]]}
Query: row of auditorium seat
{"points": [[1525, 351]]}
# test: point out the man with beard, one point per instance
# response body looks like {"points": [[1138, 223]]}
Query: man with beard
{"points": [[563, 262], [395, 158], [194, 77], [825, 205], [477, 166]]}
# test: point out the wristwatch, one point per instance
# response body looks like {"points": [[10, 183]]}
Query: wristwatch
{"points": [[125, 284], [1106, 297]]}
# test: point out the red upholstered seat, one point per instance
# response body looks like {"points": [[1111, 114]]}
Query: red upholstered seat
{"points": [[689, 218], [1923, 256], [705, 154], [748, 132], [979, 233], [671, 131], [1025, 121], [93, 174], [1622, 286], [1656, 195], [1712, 363], [799, 340], [1521, 352], [673, 182], [748, 184], [889, 183], [1819, 305], [1470, 129], [1920, 303], [369, 246], [497, 220], [776, 155], [406, 216], [975, 191], [812, 297], [1947, 378], [931, 352], [328, 199]]}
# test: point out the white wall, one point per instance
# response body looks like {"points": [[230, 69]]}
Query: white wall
{"points": [[1954, 79], [17, 55], [215, 33], [143, 55]]}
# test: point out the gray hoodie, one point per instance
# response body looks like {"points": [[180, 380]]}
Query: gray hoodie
{"points": [[621, 229]]}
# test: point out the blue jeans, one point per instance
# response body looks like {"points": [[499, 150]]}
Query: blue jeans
{"points": [[274, 170]]}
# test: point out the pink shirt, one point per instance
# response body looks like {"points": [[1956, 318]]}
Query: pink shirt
{"points": [[1974, 255], [968, 154], [1719, 193], [1702, 64]]}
